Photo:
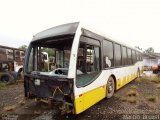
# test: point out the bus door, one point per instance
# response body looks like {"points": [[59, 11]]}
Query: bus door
{"points": [[88, 69]]}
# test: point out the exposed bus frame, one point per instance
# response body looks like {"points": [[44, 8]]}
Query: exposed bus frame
{"points": [[77, 94]]}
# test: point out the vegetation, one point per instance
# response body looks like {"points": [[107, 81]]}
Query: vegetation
{"points": [[51, 52], [152, 98], [133, 87], [131, 95], [149, 50], [9, 108], [138, 47], [2, 85], [158, 86], [23, 47], [153, 79]]}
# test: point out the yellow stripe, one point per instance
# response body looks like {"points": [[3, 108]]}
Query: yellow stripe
{"points": [[118, 83], [126, 79], [89, 98]]}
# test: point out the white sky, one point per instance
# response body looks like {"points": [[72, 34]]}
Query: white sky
{"points": [[134, 22]]}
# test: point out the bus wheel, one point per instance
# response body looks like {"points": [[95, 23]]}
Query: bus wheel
{"points": [[7, 79], [138, 73], [110, 87]]}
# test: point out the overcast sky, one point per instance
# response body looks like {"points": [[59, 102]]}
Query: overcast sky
{"points": [[134, 22]]}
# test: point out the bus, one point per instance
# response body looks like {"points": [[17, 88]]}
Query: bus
{"points": [[88, 67], [11, 63]]}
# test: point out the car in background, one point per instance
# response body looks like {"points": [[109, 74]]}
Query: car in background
{"points": [[155, 68]]}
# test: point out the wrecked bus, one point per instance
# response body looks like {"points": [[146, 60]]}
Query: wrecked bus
{"points": [[11, 64], [87, 67]]}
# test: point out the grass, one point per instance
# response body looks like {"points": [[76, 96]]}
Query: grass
{"points": [[21, 102], [154, 79], [133, 87], [2, 85], [129, 99], [132, 100], [152, 98], [9, 108], [158, 86], [131, 95], [138, 80]]}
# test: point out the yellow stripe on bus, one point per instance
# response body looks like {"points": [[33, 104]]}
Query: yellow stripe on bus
{"points": [[89, 98], [86, 100]]}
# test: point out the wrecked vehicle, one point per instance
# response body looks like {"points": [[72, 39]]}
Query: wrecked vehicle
{"points": [[155, 68], [11, 64], [84, 70]]}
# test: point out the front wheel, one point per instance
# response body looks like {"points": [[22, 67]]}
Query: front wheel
{"points": [[110, 87]]}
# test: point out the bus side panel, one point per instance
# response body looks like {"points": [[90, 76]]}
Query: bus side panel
{"points": [[79, 104], [89, 98], [126, 75]]}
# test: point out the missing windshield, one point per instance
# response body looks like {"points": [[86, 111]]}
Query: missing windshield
{"points": [[50, 56]]}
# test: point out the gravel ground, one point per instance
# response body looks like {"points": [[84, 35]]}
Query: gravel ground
{"points": [[145, 100]]}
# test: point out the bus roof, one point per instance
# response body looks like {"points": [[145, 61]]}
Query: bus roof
{"points": [[57, 31], [71, 28], [6, 47]]}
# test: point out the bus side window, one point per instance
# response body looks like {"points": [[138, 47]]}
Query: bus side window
{"points": [[129, 56], [133, 57], [88, 64], [124, 56], [137, 59], [117, 52], [108, 54]]}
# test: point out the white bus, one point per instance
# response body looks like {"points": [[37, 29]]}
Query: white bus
{"points": [[89, 67]]}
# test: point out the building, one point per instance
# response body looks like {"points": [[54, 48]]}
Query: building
{"points": [[150, 59]]}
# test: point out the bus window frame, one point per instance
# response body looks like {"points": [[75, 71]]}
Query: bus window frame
{"points": [[126, 59], [100, 58], [120, 55], [104, 55]]}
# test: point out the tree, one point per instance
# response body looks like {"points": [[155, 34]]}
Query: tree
{"points": [[149, 50], [138, 47], [51, 52], [23, 47]]}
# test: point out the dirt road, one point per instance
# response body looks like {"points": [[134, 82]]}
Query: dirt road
{"points": [[138, 98]]}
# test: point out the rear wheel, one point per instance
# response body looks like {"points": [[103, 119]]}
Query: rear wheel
{"points": [[7, 79], [110, 87], [138, 73]]}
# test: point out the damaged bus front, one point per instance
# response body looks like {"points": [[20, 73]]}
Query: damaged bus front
{"points": [[49, 81]]}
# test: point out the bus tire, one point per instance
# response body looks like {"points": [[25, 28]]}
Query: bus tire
{"points": [[20, 73], [110, 87], [7, 79], [138, 73]]}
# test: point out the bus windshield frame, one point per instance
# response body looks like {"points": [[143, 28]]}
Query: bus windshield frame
{"points": [[58, 47]]}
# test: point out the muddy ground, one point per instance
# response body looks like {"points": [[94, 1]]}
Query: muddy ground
{"points": [[137, 99]]}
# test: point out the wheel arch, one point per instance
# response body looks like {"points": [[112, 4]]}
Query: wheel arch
{"points": [[20, 69], [113, 76], [138, 72]]}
